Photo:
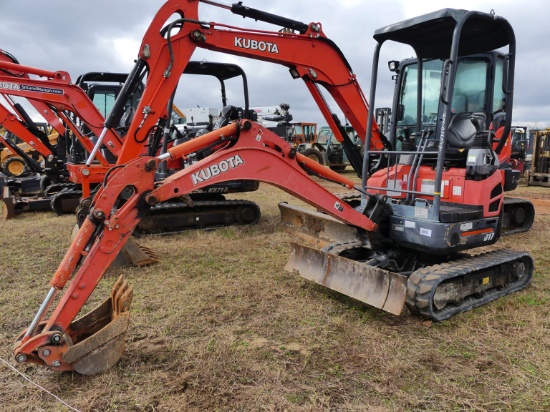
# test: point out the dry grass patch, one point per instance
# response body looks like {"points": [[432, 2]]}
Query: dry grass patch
{"points": [[219, 325]]}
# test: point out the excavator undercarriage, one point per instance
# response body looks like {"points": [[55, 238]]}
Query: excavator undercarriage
{"points": [[434, 287], [172, 217]]}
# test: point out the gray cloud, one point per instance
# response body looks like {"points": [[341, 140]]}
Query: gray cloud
{"points": [[104, 35]]}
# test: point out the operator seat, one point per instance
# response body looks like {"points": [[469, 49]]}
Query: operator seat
{"points": [[228, 113], [463, 129]]}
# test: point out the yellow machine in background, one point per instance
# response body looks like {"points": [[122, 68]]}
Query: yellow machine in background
{"points": [[11, 162]]}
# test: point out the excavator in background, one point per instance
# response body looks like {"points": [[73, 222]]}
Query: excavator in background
{"points": [[97, 93], [326, 150], [66, 108], [401, 244], [12, 162]]}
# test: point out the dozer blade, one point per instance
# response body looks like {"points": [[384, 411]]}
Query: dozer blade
{"points": [[98, 337], [317, 229], [376, 287]]}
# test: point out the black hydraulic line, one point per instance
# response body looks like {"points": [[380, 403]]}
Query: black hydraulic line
{"points": [[352, 151], [260, 15], [157, 132], [163, 169]]}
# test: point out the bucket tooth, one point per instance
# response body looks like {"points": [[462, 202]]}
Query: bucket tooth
{"points": [[99, 336], [376, 287]]}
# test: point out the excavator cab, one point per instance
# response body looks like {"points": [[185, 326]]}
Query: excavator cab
{"points": [[444, 104], [478, 90], [455, 100]]}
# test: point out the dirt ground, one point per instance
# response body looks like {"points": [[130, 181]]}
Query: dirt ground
{"points": [[218, 325]]}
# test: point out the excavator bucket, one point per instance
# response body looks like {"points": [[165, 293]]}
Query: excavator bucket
{"points": [[98, 337], [132, 254], [376, 287]]}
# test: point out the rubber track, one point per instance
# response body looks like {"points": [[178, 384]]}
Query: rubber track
{"points": [[58, 187], [423, 282], [183, 207], [58, 198], [510, 202]]}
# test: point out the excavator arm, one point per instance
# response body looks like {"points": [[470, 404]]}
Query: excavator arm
{"points": [[241, 150], [244, 150], [40, 107]]}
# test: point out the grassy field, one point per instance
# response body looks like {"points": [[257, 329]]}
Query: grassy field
{"points": [[219, 325]]}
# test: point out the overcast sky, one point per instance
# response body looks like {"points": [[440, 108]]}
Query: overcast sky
{"points": [[104, 35]]}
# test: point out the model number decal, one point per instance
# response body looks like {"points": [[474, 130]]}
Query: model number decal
{"points": [[256, 45], [214, 170], [489, 236], [29, 88]]}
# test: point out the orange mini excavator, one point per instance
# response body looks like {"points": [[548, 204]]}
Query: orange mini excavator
{"points": [[432, 185]]}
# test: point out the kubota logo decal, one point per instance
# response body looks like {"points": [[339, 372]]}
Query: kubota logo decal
{"points": [[262, 46], [214, 170]]}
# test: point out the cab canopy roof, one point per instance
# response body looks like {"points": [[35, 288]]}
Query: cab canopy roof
{"points": [[431, 34], [223, 71]]}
